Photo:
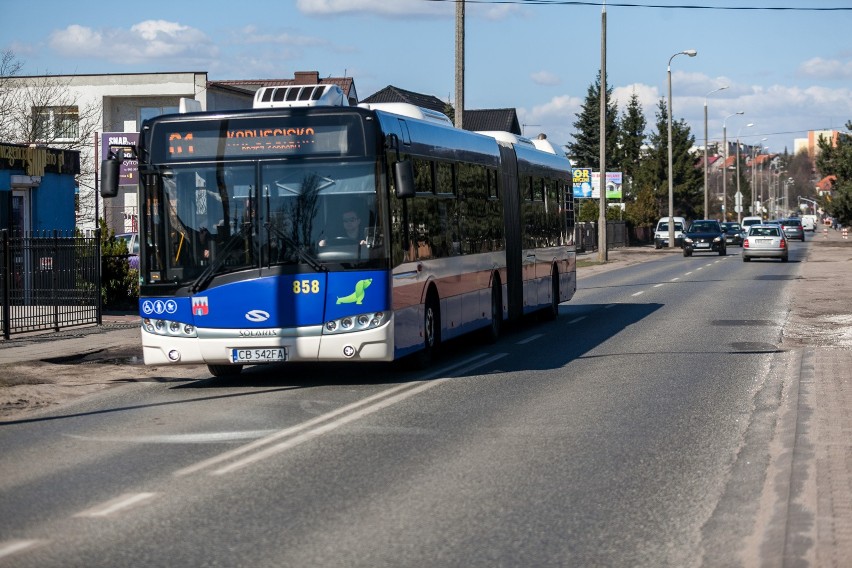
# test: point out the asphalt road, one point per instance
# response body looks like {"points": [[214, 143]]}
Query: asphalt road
{"points": [[635, 430]]}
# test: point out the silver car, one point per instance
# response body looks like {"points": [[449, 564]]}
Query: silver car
{"points": [[765, 241]]}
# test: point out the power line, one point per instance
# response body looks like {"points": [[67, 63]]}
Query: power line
{"points": [[660, 6]]}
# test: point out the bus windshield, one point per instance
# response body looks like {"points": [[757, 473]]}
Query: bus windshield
{"points": [[210, 219]]}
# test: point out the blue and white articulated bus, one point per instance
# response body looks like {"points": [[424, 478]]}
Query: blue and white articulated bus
{"points": [[245, 257]]}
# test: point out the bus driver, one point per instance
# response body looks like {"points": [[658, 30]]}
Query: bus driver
{"points": [[351, 224]]}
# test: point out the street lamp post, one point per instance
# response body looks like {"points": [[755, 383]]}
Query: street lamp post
{"points": [[740, 195], [691, 53], [755, 152], [706, 142], [725, 165]]}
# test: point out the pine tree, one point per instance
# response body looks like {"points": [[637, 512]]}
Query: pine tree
{"points": [[687, 179], [585, 150], [631, 134]]}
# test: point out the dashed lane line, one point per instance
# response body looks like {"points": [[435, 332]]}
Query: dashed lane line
{"points": [[11, 547], [117, 505]]}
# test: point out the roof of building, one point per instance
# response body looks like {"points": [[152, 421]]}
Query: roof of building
{"points": [[826, 183], [391, 94], [504, 119]]}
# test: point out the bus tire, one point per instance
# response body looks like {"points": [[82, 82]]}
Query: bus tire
{"points": [[431, 330], [492, 332], [552, 311], [225, 370]]}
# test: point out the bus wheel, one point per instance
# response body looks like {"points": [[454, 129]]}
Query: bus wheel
{"points": [[493, 330], [552, 310], [431, 331], [225, 370]]}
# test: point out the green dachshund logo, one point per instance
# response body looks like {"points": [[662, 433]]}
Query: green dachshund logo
{"points": [[357, 296]]}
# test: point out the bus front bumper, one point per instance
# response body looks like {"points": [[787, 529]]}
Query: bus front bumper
{"points": [[216, 347]]}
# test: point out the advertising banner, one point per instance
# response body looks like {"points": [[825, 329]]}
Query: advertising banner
{"points": [[613, 185], [128, 174], [582, 182]]}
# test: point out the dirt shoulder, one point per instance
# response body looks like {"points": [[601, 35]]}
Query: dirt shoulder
{"points": [[55, 368]]}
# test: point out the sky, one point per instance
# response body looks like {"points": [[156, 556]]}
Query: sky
{"points": [[787, 64]]}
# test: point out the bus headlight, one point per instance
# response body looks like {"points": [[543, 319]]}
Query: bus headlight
{"points": [[359, 322], [169, 328]]}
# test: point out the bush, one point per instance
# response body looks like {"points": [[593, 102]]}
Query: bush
{"points": [[119, 282]]}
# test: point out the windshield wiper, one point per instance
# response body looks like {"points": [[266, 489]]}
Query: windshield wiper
{"points": [[300, 252], [205, 277]]}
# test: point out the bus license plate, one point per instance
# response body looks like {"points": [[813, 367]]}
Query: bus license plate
{"points": [[258, 355]]}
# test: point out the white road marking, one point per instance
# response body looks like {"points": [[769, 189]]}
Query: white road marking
{"points": [[120, 503], [575, 320], [675, 279], [610, 306], [328, 427], [529, 339], [639, 293], [688, 273], [292, 430], [10, 547], [658, 285]]}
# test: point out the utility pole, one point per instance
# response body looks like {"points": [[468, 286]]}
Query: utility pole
{"points": [[602, 244], [459, 63]]}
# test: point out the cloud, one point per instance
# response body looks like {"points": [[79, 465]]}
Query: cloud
{"points": [[554, 118], [545, 78], [826, 69], [151, 41], [76, 40]]}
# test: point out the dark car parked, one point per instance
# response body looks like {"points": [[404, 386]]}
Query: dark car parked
{"points": [[734, 233], [793, 228], [705, 235]]}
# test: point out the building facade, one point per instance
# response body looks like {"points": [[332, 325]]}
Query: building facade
{"points": [[37, 189]]}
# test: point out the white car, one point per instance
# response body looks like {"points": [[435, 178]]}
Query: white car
{"points": [[661, 232]]}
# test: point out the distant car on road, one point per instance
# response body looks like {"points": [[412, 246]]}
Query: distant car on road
{"points": [[809, 222], [705, 235], [749, 221], [765, 241], [734, 234], [661, 232], [793, 228]]}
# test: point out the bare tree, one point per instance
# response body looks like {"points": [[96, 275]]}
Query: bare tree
{"points": [[44, 110]]}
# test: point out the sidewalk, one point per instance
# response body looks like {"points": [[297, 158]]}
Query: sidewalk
{"points": [[117, 331]]}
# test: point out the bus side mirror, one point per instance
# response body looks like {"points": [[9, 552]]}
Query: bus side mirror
{"points": [[403, 177], [109, 177]]}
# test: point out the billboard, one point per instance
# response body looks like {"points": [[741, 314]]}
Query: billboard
{"points": [[129, 172], [582, 182], [613, 185]]}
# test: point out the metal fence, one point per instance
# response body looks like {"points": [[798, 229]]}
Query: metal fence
{"points": [[586, 235], [49, 281]]}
